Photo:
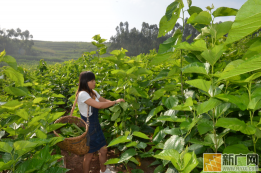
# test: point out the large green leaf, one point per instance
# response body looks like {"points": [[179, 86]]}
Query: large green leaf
{"points": [[190, 162], [236, 149], [127, 155], [120, 139], [187, 106], [23, 114], [240, 101], [200, 84], [231, 123], [214, 54], [30, 165], [6, 166], [196, 67], [221, 29], [160, 135], [15, 76], [247, 66], [5, 147], [170, 155], [171, 102], [199, 45], [141, 135], [208, 105], [247, 21], [17, 91], [10, 61], [204, 126], [158, 94], [254, 49], [112, 161], [224, 11], [153, 112], [203, 17], [167, 46], [115, 115], [170, 18], [161, 58], [197, 148], [11, 105], [175, 142], [194, 9], [138, 92], [22, 147]]}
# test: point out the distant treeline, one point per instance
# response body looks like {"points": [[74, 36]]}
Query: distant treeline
{"points": [[143, 41], [16, 41]]}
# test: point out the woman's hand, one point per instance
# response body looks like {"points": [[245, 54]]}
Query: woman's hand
{"points": [[120, 100]]}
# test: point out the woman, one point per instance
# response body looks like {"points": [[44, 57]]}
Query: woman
{"points": [[89, 97]]}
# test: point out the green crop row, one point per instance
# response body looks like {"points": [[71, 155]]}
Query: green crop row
{"points": [[182, 102]]}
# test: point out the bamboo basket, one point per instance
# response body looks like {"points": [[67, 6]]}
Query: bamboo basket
{"points": [[76, 145]]}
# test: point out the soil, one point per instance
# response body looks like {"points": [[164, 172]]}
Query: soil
{"points": [[74, 163]]}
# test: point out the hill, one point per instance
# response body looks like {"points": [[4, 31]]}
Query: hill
{"points": [[53, 52]]}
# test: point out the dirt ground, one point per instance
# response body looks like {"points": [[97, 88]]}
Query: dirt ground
{"points": [[74, 163]]}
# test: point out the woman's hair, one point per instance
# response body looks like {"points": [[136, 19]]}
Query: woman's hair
{"points": [[83, 85]]}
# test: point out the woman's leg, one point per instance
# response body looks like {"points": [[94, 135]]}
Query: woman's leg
{"points": [[86, 162], [103, 157]]}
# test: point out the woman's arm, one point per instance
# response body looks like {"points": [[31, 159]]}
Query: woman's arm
{"points": [[101, 99], [102, 105]]}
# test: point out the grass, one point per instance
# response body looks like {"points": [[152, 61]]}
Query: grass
{"points": [[55, 52]]}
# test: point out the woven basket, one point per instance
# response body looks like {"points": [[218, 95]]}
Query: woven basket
{"points": [[76, 145]]}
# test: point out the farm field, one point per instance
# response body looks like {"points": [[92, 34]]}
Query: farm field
{"points": [[54, 52], [182, 102]]}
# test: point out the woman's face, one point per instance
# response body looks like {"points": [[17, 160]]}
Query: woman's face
{"points": [[91, 84]]}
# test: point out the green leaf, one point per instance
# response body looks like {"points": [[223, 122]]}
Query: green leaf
{"points": [[199, 45], [141, 145], [112, 161], [197, 148], [141, 135], [17, 91], [194, 9], [240, 101], [203, 17], [115, 108], [219, 30], [169, 20], [159, 168], [200, 84], [225, 11], [127, 155], [236, 149], [221, 109], [167, 46], [171, 102], [23, 147], [38, 100], [246, 22], [208, 105], [191, 161], [175, 142], [5, 147], [196, 67], [158, 94], [138, 92], [137, 171], [23, 114], [131, 144], [161, 58], [10, 61], [169, 155], [15, 76], [120, 139], [185, 107], [124, 105], [163, 74], [40, 134], [11, 105], [6, 166], [30, 165], [249, 130], [204, 126], [153, 112], [254, 49], [214, 54], [231, 123], [247, 66], [161, 135], [115, 115], [134, 160]]}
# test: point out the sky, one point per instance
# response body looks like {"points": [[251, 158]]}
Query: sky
{"points": [[80, 20]]}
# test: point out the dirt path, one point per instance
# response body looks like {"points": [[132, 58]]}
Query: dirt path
{"points": [[74, 163]]}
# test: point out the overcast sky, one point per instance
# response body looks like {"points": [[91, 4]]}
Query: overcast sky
{"points": [[80, 20]]}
